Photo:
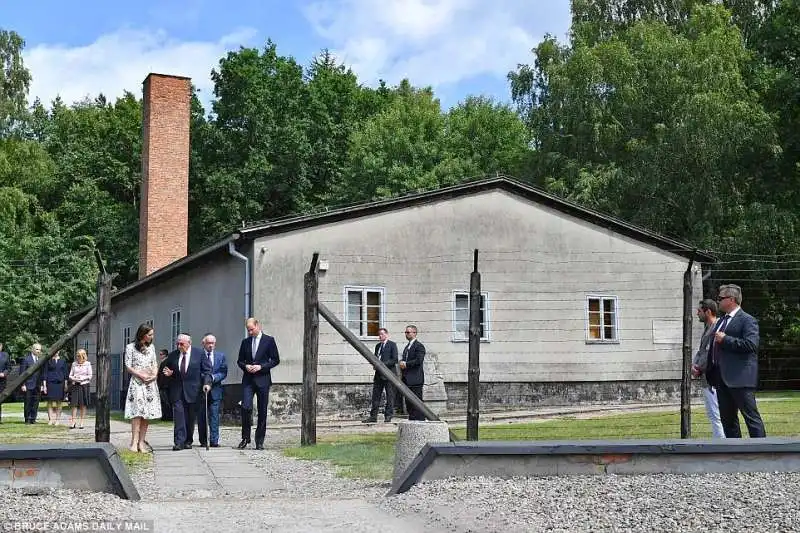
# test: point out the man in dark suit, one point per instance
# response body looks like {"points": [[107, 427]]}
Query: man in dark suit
{"points": [[163, 385], [33, 384], [258, 354], [386, 351], [733, 365], [412, 370], [190, 372], [219, 371], [5, 368]]}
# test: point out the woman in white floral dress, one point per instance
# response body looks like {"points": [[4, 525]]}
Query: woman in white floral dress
{"points": [[143, 401]]}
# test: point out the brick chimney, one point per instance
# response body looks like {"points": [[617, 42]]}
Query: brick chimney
{"points": [[164, 209]]}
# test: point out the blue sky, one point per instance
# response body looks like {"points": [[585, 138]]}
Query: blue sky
{"points": [[459, 47]]}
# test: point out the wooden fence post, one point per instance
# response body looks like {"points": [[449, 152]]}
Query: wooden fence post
{"points": [[308, 427], [686, 374], [102, 420], [474, 372]]}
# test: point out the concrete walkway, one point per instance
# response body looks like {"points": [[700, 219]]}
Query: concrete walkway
{"points": [[225, 469]]}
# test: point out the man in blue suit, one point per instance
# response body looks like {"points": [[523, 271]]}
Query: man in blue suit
{"points": [[189, 372], [733, 365], [219, 371], [5, 368], [258, 354], [33, 384]]}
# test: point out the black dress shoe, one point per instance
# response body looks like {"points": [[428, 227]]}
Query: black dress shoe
{"points": [[259, 446], [177, 448], [243, 444], [187, 446], [202, 444], [215, 445]]}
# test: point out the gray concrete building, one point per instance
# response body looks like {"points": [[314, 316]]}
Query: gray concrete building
{"points": [[576, 306]]}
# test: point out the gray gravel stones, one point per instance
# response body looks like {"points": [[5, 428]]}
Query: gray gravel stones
{"points": [[56, 505], [705, 502]]}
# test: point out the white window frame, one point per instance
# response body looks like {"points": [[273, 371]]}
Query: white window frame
{"points": [[364, 289], [86, 346], [486, 337], [175, 327], [127, 335], [615, 325]]}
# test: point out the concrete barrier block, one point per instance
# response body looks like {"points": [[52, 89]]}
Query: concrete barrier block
{"points": [[412, 436], [554, 458], [94, 467]]}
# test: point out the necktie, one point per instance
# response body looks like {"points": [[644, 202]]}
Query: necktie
{"points": [[405, 352], [380, 350], [255, 347], [715, 347], [185, 364], [210, 361]]}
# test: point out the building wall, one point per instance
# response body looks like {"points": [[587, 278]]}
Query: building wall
{"points": [[210, 299], [538, 266]]}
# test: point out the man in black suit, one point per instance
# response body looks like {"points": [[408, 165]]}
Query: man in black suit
{"points": [[33, 384], [386, 351], [189, 372], [258, 354], [163, 385], [412, 370], [5, 368], [733, 365]]}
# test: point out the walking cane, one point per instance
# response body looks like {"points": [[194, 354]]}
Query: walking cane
{"points": [[208, 422]]}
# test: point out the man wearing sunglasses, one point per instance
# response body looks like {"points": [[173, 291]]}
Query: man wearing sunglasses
{"points": [[733, 365]]}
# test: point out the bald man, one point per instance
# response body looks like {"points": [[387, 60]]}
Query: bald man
{"points": [[219, 371]]}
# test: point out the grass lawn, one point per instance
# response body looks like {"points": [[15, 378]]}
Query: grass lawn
{"points": [[368, 456], [16, 407], [135, 461], [18, 432], [371, 455], [15, 431]]}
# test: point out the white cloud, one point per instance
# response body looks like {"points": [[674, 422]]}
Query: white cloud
{"points": [[120, 61], [433, 42]]}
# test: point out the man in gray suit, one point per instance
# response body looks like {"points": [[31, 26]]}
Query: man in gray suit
{"points": [[707, 314], [733, 365]]}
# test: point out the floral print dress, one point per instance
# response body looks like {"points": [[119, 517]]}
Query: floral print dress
{"points": [[143, 399]]}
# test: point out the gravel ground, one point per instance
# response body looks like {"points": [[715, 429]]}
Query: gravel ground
{"points": [[306, 496], [313, 500], [707, 502]]}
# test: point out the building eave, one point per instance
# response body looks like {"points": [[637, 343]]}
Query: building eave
{"points": [[163, 274]]}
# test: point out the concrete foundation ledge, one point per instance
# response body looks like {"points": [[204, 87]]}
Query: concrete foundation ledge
{"points": [[94, 467], [508, 459]]}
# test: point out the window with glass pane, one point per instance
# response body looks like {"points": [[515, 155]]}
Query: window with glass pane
{"points": [[176, 325], [126, 336], [364, 310], [602, 318], [461, 317]]}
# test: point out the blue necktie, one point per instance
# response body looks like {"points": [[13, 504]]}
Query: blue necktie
{"points": [[714, 346]]}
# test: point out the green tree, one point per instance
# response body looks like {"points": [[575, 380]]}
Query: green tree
{"points": [[654, 125], [15, 81]]}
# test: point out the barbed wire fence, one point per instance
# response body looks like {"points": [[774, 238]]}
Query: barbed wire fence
{"points": [[589, 343]]}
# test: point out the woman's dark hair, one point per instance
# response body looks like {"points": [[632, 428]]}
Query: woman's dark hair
{"points": [[143, 330]]}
